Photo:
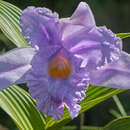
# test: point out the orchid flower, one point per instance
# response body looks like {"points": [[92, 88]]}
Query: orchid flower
{"points": [[64, 57]]}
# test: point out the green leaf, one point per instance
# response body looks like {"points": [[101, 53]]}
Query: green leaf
{"points": [[119, 124], [9, 23], [20, 106], [123, 35], [95, 95]]}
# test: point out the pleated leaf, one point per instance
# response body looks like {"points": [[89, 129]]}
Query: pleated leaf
{"points": [[20, 106], [9, 23], [119, 124]]}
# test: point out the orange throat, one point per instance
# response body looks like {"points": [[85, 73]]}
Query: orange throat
{"points": [[59, 68]]}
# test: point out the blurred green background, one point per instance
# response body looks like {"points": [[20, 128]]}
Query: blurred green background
{"points": [[115, 14]]}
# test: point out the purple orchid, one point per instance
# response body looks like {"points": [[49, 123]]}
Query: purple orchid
{"points": [[66, 55]]}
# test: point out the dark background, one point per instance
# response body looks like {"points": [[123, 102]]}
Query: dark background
{"points": [[115, 14]]}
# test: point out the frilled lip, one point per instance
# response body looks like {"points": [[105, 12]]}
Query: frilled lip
{"points": [[53, 94]]}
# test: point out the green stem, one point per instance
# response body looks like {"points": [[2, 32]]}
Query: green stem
{"points": [[115, 113], [119, 105], [81, 122]]}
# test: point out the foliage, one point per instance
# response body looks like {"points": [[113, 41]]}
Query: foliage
{"points": [[119, 124]]}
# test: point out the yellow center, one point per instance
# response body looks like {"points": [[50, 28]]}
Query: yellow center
{"points": [[59, 68]]}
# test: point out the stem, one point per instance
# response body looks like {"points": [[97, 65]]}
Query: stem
{"points": [[81, 122], [119, 105], [115, 113]]}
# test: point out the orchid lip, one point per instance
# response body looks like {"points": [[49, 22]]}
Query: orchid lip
{"points": [[59, 67]]}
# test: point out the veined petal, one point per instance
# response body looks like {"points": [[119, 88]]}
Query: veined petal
{"points": [[96, 47], [83, 15], [116, 75], [14, 65], [83, 19], [40, 26]]}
